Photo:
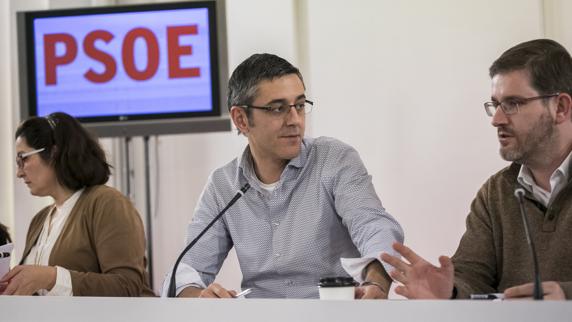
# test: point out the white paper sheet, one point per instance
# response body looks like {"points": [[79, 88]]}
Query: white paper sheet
{"points": [[6, 255]]}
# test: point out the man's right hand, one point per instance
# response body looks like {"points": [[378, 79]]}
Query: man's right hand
{"points": [[420, 279], [216, 291], [212, 291]]}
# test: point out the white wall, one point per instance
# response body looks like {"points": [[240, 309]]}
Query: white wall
{"points": [[557, 22], [402, 81], [6, 163]]}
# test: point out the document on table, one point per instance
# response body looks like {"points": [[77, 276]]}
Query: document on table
{"points": [[5, 256]]}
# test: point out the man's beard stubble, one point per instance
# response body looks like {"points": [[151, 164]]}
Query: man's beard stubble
{"points": [[535, 144]]}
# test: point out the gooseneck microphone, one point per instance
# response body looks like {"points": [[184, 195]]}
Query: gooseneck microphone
{"points": [[172, 283], [538, 294]]}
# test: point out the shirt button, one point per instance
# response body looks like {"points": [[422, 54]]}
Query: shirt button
{"points": [[277, 254], [275, 224]]}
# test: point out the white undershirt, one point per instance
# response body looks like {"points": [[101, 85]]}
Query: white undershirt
{"points": [[268, 186], [41, 251], [558, 180]]}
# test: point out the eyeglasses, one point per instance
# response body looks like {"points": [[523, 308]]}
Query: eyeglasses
{"points": [[281, 109], [21, 158], [511, 105]]}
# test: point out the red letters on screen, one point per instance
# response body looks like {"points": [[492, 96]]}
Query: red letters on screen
{"points": [[127, 53], [103, 57], [51, 60], [174, 52]]}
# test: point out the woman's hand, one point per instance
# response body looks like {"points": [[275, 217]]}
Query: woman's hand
{"points": [[28, 279]]}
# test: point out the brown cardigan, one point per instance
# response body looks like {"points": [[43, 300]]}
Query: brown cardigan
{"points": [[102, 244], [493, 254]]}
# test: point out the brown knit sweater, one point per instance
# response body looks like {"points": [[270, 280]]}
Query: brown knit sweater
{"points": [[493, 254], [102, 244]]}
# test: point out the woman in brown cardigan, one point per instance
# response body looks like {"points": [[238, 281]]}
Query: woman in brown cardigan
{"points": [[90, 241]]}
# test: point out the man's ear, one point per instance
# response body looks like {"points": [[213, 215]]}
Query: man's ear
{"points": [[240, 119], [563, 108]]}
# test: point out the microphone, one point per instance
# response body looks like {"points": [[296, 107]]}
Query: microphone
{"points": [[538, 294], [172, 283]]}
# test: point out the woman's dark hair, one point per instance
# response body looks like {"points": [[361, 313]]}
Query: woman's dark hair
{"points": [[77, 157], [4, 236]]}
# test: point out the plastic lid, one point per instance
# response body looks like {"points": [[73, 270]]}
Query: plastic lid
{"points": [[339, 281]]}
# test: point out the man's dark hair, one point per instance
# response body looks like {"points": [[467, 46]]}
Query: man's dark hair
{"points": [[243, 83], [77, 157], [547, 62]]}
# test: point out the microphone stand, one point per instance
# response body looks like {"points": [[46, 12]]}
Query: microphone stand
{"points": [[172, 283], [538, 294]]}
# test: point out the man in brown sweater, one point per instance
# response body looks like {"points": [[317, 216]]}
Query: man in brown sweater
{"points": [[531, 109]]}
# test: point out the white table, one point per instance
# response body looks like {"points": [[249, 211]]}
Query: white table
{"points": [[62, 309]]}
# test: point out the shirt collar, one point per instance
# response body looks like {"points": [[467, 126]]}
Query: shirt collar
{"points": [[300, 160], [525, 178], [70, 202], [527, 181], [565, 167], [245, 164]]}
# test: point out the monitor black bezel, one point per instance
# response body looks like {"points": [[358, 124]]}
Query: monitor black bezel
{"points": [[102, 124]]}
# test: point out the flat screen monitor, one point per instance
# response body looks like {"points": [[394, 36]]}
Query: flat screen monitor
{"points": [[127, 70]]}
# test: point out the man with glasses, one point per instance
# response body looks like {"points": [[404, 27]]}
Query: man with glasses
{"points": [[311, 204], [531, 109]]}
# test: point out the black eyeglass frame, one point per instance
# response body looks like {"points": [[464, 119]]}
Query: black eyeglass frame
{"points": [[491, 107], [283, 109], [21, 158]]}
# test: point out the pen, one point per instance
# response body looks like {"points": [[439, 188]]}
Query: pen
{"points": [[487, 296], [243, 293]]}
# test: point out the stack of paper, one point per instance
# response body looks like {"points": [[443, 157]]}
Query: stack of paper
{"points": [[5, 253]]}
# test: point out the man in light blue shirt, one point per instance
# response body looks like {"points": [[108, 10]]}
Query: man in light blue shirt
{"points": [[311, 212]]}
